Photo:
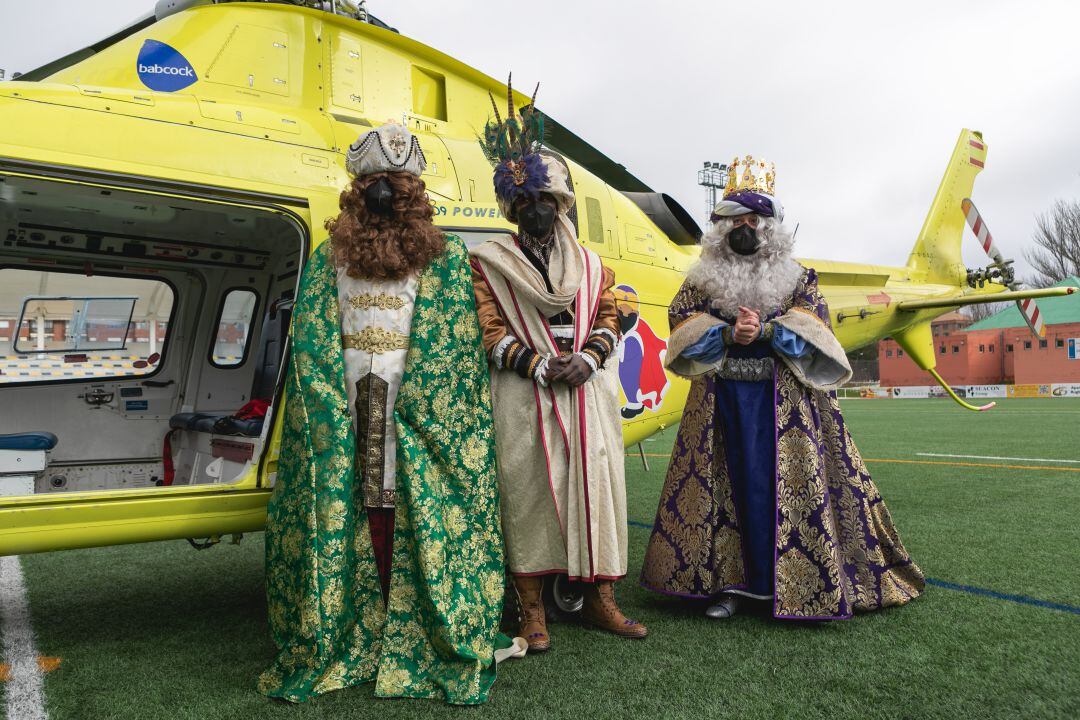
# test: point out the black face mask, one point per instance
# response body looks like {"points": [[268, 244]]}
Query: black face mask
{"points": [[743, 240], [537, 219], [379, 198]]}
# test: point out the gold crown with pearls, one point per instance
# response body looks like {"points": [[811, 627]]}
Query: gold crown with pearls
{"points": [[749, 175]]}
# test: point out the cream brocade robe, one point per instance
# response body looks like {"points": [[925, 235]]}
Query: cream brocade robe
{"points": [[559, 449]]}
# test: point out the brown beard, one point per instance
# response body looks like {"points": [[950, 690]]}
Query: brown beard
{"points": [[377, 247]]}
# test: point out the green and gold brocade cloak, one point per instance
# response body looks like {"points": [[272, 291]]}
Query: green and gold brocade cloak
{"points": [[436, 635]]}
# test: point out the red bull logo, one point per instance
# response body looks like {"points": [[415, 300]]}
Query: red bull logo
{"points": [[641, 357]]}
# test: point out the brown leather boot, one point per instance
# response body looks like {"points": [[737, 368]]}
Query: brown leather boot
{"points": [[601, 612], [530, 593]]}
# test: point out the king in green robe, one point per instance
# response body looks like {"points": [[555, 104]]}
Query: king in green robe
{"points": [[436, 634]]}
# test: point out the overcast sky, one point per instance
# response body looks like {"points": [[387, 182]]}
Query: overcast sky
{"points": [[858, 105]]}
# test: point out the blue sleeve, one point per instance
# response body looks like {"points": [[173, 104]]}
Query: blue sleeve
{"points": [[709, 348], [786, 342]]}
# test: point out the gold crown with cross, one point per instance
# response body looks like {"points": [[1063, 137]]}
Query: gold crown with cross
{"points": [[749, 175]]}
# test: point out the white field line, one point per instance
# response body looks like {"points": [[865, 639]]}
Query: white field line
{"points": [[24, 697], [997, 457]]}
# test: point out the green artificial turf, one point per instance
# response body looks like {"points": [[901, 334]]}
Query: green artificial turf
{"points": [[161, 631]]}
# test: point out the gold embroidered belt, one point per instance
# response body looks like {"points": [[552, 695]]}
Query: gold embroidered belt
{"points": [[375, 340], [366, 301]]}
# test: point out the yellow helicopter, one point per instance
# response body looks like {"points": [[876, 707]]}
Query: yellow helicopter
{"points": [[160, 191]]}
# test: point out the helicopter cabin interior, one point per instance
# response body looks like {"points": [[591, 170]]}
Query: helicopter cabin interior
{"points": [[142, 335]]}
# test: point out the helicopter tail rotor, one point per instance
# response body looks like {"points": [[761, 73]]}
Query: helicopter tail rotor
{"points": [[1000, 270]]}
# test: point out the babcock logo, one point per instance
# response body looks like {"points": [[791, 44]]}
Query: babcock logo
{"points": [[163, 68]]}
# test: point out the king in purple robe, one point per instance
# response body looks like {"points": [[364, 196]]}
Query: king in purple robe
{"points": [[766, 495]]}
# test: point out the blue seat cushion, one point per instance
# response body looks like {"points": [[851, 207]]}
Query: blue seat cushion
{"points": [[28, 441]]}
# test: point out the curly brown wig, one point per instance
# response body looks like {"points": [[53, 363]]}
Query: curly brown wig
{"points": [[375, 247]]}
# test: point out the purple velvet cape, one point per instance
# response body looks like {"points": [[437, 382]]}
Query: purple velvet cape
{"points": [[836, 548]]}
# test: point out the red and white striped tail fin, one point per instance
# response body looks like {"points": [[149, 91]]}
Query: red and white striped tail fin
{"points": [[1031, 314], [982, 232]]}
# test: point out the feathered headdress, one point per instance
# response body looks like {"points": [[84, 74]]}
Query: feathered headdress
{"points": [[512, 145]]}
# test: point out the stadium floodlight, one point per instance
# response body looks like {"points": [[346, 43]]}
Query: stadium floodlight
{"points": [[713, 177]]}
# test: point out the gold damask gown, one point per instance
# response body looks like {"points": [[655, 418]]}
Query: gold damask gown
{"points": [[830, 546]]}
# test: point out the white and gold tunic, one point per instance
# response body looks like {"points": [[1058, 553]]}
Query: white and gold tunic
{"points": [[376, 318]]}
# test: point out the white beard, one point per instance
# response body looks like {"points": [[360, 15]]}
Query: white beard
{"points": [[762, 281]]}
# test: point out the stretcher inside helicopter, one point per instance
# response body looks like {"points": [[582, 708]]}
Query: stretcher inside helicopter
{"points": [[134, 328]]}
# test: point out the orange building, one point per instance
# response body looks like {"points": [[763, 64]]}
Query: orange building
{"points": [[1046, 360], [999, 350]]}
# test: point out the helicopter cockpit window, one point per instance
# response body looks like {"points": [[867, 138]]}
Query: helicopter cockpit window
{"points": [[237, 313]]}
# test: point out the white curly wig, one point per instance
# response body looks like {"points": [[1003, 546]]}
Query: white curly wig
{"points": [[762, 281]]}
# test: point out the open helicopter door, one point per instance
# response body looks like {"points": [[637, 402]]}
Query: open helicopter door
{"points": [[135, 325]]}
